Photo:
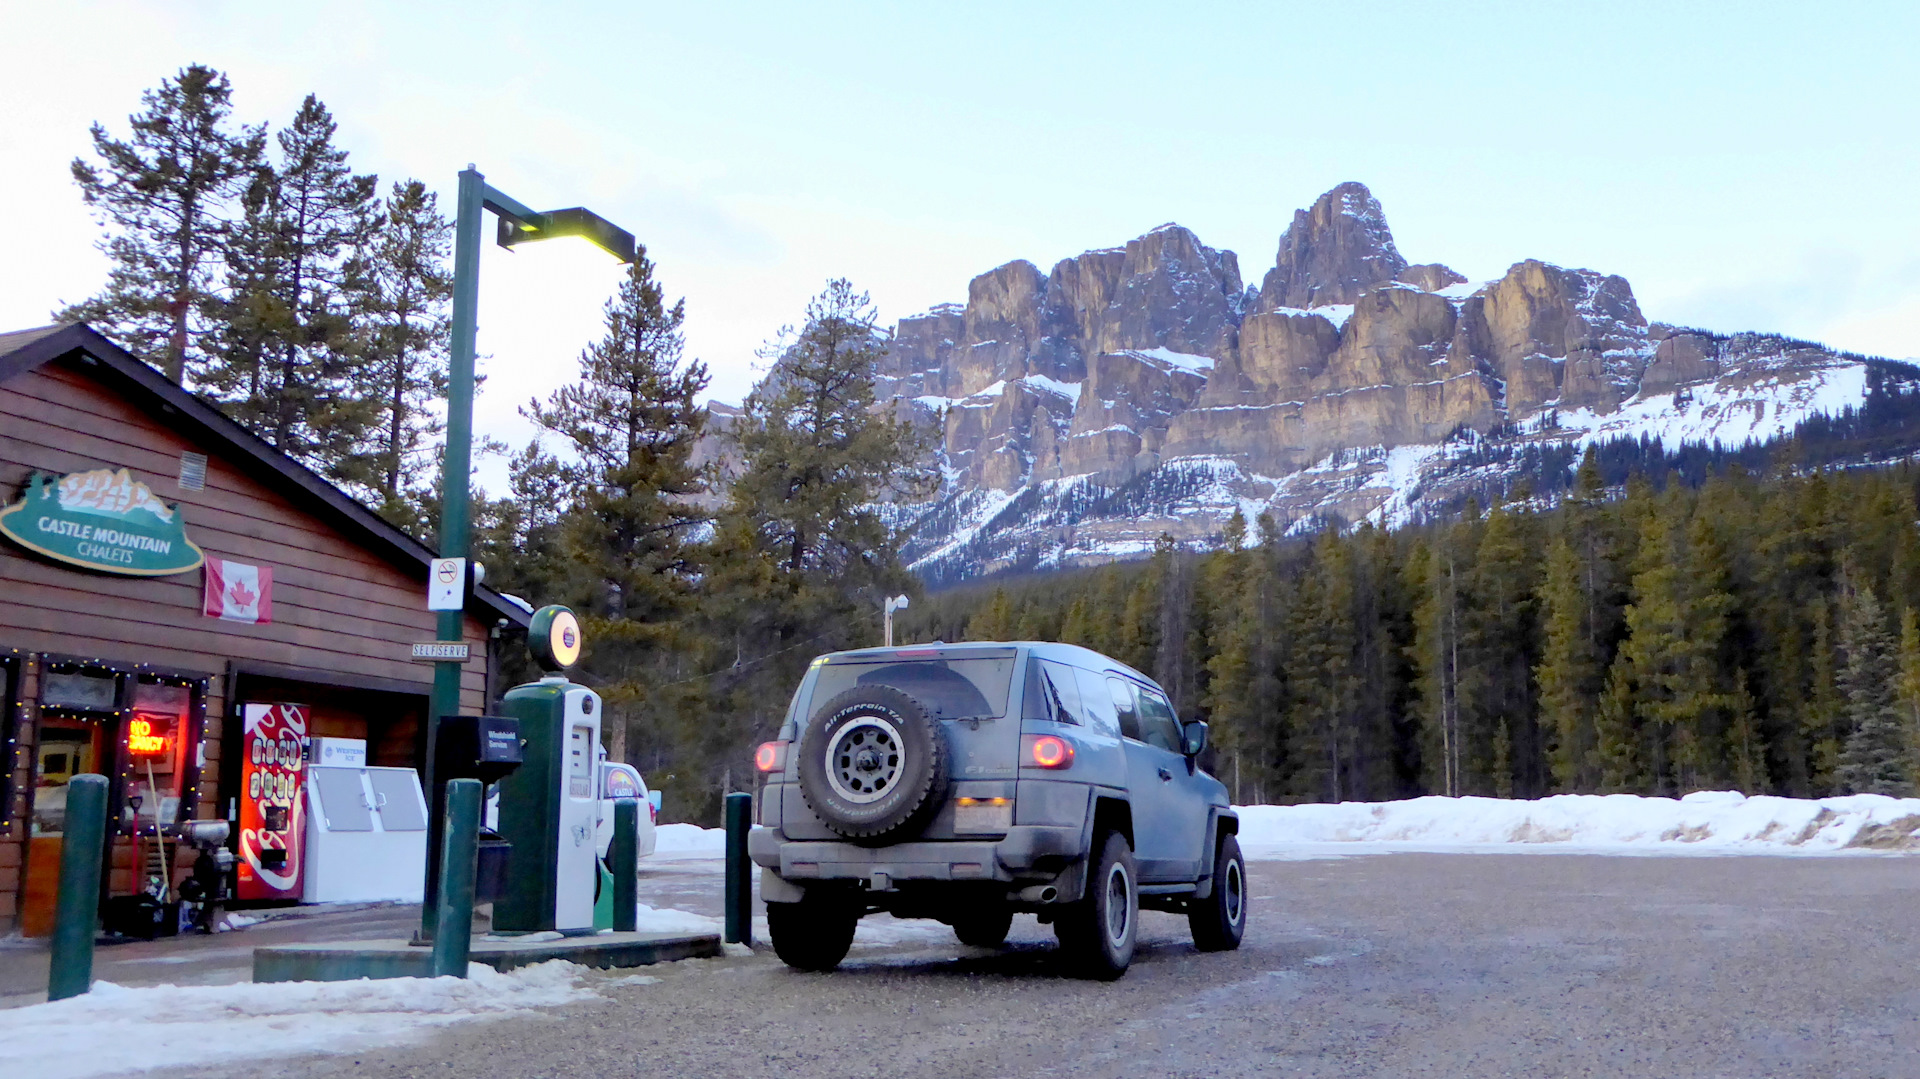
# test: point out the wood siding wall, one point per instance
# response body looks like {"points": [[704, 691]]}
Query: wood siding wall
{"points": [[339, 612]]}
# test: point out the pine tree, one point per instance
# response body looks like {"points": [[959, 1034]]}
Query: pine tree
{"points": [[1746, 748], [995, 621], [1569, 673], [1909, 685], [167, 193], [408, 286], [292, 341], [1874, 760]]}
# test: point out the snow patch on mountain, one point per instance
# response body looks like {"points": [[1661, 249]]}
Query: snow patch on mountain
{"points": [[1717, 413]]}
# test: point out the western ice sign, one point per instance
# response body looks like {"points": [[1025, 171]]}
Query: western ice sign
{"points": [[101, 520]]}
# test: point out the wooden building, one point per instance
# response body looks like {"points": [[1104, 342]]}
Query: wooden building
{"points": [[161, 570]]}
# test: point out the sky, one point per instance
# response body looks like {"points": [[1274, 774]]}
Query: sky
{"points": [[1746, 166]]}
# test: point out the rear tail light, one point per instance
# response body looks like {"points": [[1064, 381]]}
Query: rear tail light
{"points": [[771, 757], [1046, 751]]}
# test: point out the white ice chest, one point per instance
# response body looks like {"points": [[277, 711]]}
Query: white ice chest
{"points": [[366, 835]]}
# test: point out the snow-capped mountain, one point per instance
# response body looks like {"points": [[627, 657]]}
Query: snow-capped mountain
{"points": [[1144, 389]]}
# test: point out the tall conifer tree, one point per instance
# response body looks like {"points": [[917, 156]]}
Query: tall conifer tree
{"points": [[167, 194]]}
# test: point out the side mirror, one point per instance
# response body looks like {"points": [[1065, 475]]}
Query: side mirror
{"points": [[1193, 738]]}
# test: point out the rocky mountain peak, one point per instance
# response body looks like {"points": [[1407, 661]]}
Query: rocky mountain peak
{"points": [[1333, 252]]}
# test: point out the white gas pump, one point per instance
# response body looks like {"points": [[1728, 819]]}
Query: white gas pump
{"points": [[576, 870], [549, 804]]}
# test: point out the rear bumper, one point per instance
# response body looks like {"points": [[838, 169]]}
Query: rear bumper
{"points": [[1027, 852]]}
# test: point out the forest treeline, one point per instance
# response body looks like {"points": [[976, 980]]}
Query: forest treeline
{"points": [[1751, 633]]}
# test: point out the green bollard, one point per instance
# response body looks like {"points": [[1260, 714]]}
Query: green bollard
{"points": [[625, 863], [453, 934], [77, 913], [739, 881]]}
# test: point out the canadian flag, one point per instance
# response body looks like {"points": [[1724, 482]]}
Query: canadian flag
{"points": [[239, 593]]}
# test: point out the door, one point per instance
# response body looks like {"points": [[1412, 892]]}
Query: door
{"points": [[1186, 792], [1151, 772]]}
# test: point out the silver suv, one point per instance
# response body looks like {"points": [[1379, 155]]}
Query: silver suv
{"points": [[967, 782]]}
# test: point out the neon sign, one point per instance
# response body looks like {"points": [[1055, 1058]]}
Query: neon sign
{"points": [[143, 740]]}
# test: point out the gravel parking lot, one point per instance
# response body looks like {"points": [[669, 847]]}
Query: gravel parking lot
{"points": [[1379, 965]]}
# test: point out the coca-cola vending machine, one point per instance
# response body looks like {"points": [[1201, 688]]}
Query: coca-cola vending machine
{"points": [[272, 811]]}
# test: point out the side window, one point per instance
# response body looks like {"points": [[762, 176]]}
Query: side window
{"points": [[1158, 721], [1095, 704], [1121, 692], [1066, 692], [1037, 701]]}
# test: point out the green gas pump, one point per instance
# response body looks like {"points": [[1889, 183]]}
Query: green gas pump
{"points": [[548, 805]]}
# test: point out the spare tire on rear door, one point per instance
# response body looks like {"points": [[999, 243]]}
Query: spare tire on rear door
{"points": [[873, 762]]}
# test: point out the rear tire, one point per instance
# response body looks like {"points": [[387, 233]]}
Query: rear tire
{"points": [[1097, 934], [813, 934], [984, 929], [1220, 920]]}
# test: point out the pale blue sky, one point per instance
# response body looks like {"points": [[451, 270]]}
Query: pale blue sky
{"points": [[1745, 166]]}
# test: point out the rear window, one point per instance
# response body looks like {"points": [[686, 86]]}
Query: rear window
{"points": [[951, 688]]}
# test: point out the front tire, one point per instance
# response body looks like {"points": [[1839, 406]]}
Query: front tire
{"points": [[1097, 934], [1220, 920], [813, 934], [984, 929]]}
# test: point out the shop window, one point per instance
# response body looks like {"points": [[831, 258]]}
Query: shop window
{"points": [[79, 720], [139, 727]]}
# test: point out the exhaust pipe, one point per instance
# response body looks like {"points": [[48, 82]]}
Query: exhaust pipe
{"points": [[1039, 893]]}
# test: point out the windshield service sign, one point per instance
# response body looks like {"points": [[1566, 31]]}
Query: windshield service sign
{"points": [[101, 520]]}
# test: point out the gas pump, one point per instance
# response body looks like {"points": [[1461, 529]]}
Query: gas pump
{"points": [[548, 805]]}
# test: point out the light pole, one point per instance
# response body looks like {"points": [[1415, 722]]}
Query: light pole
{"points": [[518, 225], [893, 603]]}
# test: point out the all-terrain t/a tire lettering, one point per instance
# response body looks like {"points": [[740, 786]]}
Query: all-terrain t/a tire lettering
{"points": [[873, 762]]}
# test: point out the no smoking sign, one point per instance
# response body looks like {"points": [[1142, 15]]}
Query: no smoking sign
{"points": [[446, 584]]}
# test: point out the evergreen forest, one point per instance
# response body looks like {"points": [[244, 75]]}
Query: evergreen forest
{"points": [[1754, 633]]}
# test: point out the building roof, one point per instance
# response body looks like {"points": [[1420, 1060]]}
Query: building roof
{"points": [[25, 350]]}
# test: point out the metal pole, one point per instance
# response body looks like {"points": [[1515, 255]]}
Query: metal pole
{"points": [[70, 971], [453, 944], [739, 819], [624, 861], [886, 608], [455, 475]]}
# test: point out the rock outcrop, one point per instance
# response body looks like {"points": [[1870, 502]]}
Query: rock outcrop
{"points": [[1149, 375]]}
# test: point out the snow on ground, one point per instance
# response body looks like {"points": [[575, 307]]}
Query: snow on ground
{"points": [[688, 841], [1708, 822], [116, 1029]]}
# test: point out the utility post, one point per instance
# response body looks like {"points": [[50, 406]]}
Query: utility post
{"points": [[518, 225], [893, 603]]}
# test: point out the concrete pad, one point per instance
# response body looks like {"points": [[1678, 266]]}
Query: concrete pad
{"points": [[346, 961]]}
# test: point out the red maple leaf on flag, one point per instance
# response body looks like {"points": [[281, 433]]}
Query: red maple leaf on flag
{"points": [[241, 597]]}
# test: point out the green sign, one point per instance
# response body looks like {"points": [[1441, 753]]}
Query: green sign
{"points": [[103, 520]]}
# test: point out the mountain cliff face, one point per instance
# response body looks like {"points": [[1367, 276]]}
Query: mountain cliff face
{"points": [[1144, 389]]}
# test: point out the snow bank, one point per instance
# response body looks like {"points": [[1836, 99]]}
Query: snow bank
{"points": [[688, 840], [1709, 822], [115, 1029]]}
